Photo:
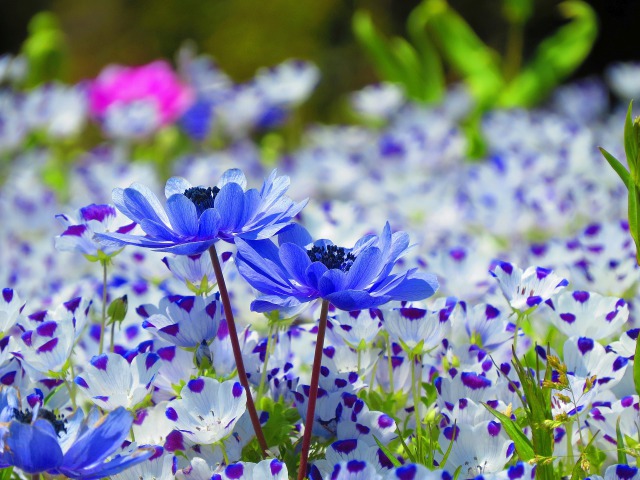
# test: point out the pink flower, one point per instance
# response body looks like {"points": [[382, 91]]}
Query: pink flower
{"points": [[154, 84]]}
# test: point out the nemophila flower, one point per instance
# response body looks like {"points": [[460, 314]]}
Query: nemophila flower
{"points": [[35, 440], [272, 469], [478, 449], [354, 470], [153, 87], [81, 227], [529, 288], [588, 314], [379, 101], [357, 328], [585, 358], [519, 471], [618, 472], [346, 451], [419, 331], [414, 471], [183, 321], [349, 278], [287, 84], [196, 217], [604, 417], [48, 337], [207, 410], [363, 424], [10, 308], [162, 465], [196, 271], [111, 381], [623, 79]]}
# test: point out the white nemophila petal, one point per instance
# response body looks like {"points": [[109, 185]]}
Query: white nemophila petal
{"points": [[363, 424], [477, 449], [271, 469], [585, 358], [207, 410], [529, 288], [413, 471], [161, 465], [519, 471], [354, 470], [577, 398], [605, 415], [358, 326], [352, 449], [47, 347], [417, 328], [10, 308], [588, 314], [186, 321], [110, 381], [487, 326]]}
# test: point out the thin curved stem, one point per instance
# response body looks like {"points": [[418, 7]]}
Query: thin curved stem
{"points": [[237, 353], [313, 391]]}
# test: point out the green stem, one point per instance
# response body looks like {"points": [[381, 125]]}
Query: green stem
{"points": [[513, 55], [104, 307], [416, 404], [237, 353], [569, 433], [113, 331], [313, 391]]}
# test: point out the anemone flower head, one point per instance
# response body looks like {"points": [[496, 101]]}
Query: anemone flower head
{"points": [[196, 217], [301, 271], [36, 440]]}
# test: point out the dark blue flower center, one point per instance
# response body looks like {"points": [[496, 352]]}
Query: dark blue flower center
{"points": [[57, 421], [201, 197], [332, 256]]}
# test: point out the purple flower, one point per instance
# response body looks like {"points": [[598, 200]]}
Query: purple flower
{"points": [[350, 278], [196, 217]]}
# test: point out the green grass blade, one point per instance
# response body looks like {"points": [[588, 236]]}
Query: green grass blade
{"points": [[622, 456], [622, 172], [524, 447]]}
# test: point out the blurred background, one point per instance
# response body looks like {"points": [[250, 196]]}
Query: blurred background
{"points": [[244, 35]]}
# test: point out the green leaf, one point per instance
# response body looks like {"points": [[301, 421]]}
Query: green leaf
{"points": [[622, 456], [555, 58], [517, 11], [622, 172], [445, 457], [392, 458], [578, 472], [636, 368], [5, 473], [431, 70], [376, 46], [634, 222], [524, 447], [474, 61], [631, 145]]}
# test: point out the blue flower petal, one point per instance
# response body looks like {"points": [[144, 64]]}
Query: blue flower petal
{"points": [[314, 272], [296, 261], [32, 448], [233, 175], [209, 224], [295, 234], [98, 441], [365, 268], [182, 215], [349, 300], [112, 467], [332, 281], [142, 203], [230, 204], [176, 185]]}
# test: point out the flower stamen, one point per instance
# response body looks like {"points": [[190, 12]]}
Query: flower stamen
{"points": [[201, 197], [332, 256]]}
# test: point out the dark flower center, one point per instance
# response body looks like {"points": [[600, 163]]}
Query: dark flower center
{"points": [[332, 256], [57, 421], [201, 197]]}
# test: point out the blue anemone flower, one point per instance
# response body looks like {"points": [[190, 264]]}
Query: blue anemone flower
{"points": [[355, 278], [196, 217], [35, 440]]}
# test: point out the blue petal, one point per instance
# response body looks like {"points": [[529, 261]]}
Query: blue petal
{"points": [[349, 300], [332, 281], [157, 231], [97, 443], [142, 203], [230, 204], [259, 264], [295, 234], [268, 303], [182, 215], [412, 286], [176, 185], [233, 175], [209, 223], [295, 260], [32, 448], [114, 466], [314, 272], [364, 269], [189, 248]]}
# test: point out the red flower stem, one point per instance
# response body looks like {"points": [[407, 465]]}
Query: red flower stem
{"points": [[237, 354], [313, 391]]}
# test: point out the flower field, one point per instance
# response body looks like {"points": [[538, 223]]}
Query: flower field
{"points": [[195, 285]]}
